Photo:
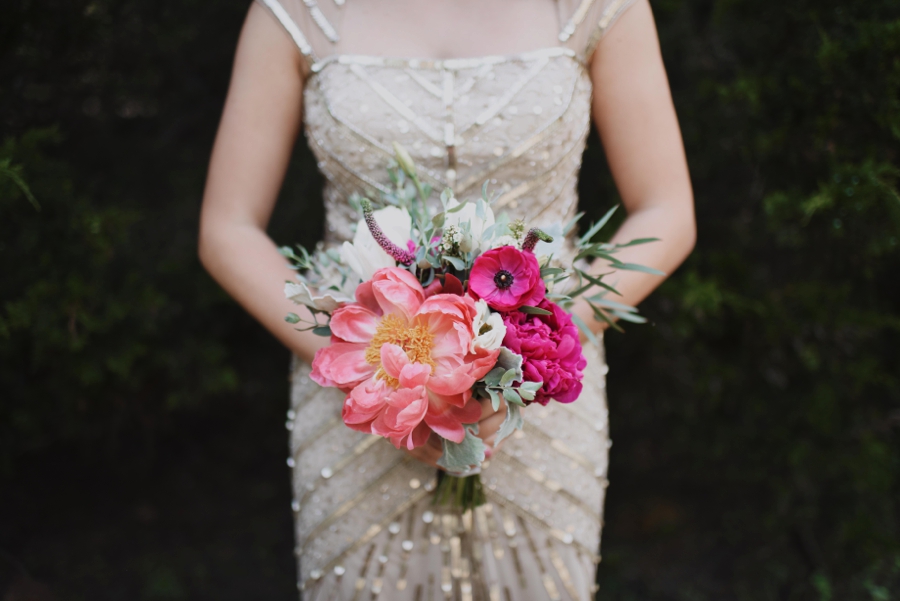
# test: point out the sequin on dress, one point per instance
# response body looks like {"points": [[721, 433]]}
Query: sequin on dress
{"points": [[365, 524]]}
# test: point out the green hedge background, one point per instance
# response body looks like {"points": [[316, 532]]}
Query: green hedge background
{"points": [[756, 422]]}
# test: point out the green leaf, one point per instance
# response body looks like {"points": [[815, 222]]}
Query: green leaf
{"points": [[597, 226], [460, 457], [641, 268], [457, 263], [322, 331], [637, 241], [511, 423], [508, 360], [625, 316], [532, 386], [292, 318], [438, 220], [548, 271], [601, 315], [604, 302], [13, 174], [493, 377], [512, 396], [527, 395], [495, 399], [534, 310], [597, 282], [568, 227], [584, 328], [598, 251], [508, 376]]}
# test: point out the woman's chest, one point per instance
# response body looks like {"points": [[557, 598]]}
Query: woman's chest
{"points": [[463, 122]]}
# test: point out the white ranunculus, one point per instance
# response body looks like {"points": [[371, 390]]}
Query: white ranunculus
{"points": [[488, 328], [468, 213], [504, 240], [300, 293], [364, 256]]}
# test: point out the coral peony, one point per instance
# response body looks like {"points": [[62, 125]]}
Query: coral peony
{"points": [[550, 349], [405, 362], [507, 278]]}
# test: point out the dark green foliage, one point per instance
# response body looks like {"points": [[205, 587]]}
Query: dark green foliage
{"points": [[768, 425], [756, 422]]}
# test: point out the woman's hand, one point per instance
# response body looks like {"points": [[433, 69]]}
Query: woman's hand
{"points": [[488, 425]]}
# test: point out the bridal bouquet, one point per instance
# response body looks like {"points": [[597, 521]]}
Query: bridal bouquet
{"points": [[431, 312]]}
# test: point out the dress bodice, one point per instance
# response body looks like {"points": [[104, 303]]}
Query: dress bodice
{"points": [[519, 122]]}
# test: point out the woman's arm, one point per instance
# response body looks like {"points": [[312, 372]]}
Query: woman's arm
{"points": [[633, 111], [253, 147]]}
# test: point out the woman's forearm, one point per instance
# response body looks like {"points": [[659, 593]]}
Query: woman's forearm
{"points": [[675, 228], [247, 264]]}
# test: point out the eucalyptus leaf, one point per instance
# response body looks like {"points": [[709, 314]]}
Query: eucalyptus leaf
{"points": [[547, 271], [584, 328], [492, 378], [506, 361], [637, 241], [601, 315], [457, 263], [511, 423], [604, 302], [625, 316], [641, 268], [463, 456], [292, 318], [512, 396], [531, 386], [568, 227], [322, 331], [527, 395], [597, 226], [495, 399]]}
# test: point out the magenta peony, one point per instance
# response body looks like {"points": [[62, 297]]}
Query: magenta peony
{"points": [[507, 278], [405, 362], [551, 351]]}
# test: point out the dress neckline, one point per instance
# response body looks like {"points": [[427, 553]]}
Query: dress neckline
{"points": [[445, 63]]}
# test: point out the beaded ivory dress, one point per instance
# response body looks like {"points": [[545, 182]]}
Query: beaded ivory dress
{"points": [[365, 524]]}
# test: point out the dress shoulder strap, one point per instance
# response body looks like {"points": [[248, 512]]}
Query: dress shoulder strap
{"points": [[585, 22], [310, 23]]}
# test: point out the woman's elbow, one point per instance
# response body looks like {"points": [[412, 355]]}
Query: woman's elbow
{"points": [[206, 244]]}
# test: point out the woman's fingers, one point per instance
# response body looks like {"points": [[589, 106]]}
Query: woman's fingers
{"points": [[487, 408], [430, 452], [489, 426]]}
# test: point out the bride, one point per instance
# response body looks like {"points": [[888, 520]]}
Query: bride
{"points": [[502, 91]]}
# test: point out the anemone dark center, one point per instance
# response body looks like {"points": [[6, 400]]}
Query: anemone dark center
{"points": [[503, 279]]}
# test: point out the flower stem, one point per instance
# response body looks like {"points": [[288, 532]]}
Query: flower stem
{"points": [[459, 493]]}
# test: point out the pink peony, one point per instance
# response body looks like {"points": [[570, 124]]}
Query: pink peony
{"points": [[550, 349], [507, 278], [404, 360]]}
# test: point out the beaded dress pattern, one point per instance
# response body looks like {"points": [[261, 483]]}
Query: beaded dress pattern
{"points": [[365, 524]]}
